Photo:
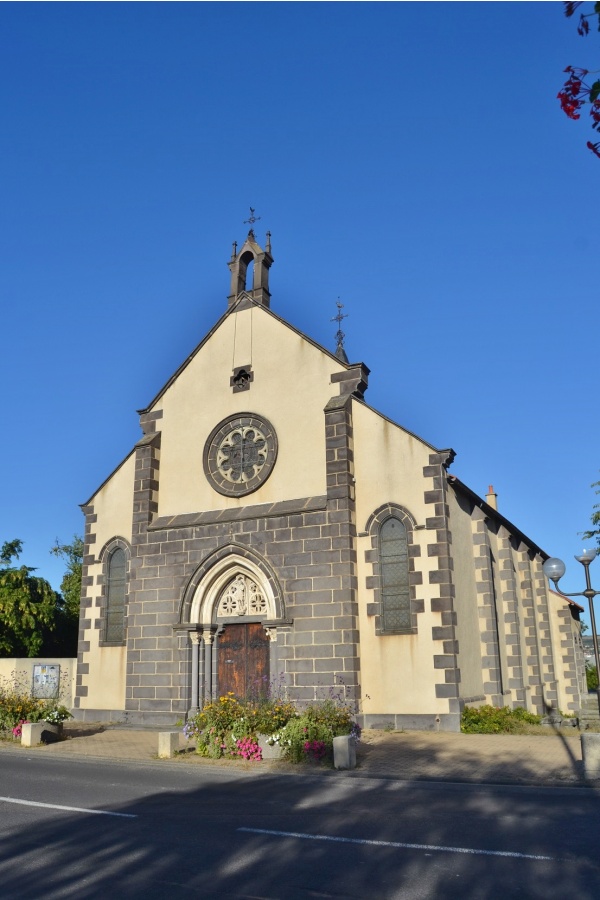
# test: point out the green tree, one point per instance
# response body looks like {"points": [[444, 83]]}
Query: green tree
{"points": [[65, 640], [28, 605]]}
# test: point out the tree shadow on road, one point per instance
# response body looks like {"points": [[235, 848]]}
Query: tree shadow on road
{"points": [[480, 758], [186, 841]]}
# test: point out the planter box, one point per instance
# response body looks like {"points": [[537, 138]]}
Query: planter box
{"points": [[269, 751], [33, 733]]}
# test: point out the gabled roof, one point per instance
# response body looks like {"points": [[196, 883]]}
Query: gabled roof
{"points": [[244, 301], [492, 513], [569, 601], [108, 477]]}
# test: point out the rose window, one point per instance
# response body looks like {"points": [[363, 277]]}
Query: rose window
{"points": [[242, 455], [239, 454]]}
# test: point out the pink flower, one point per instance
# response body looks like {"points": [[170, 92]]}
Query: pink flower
{"points": [[18, 729]]}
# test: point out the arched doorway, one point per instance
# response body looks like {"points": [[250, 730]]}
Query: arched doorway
{"points": [[243, 660], [236, 609], [243, 646]]}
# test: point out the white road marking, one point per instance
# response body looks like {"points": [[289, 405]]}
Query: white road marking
{"points": [[343, 840], [92, 812]]}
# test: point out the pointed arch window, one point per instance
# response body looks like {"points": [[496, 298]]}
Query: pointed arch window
{"points": [[116, 590], [392, 555], [395, 588]]}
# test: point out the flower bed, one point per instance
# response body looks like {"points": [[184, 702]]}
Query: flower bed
{"points": [[18, 707], [262, 728]]}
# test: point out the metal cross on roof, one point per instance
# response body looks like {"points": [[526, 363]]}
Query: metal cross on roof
{"points": [[252, 218], [340, 334], [340, 315]]}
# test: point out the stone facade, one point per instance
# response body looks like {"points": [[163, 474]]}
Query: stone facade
{"points": [[239, 493]]}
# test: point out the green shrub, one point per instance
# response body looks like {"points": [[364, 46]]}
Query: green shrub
{"points": [[591, 675], [300, 732], [331, 713], [222, 722], [318, 724], [266, 716], [496, 720]]}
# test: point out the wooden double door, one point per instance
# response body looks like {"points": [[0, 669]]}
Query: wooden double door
{"points": [[243, 660]]}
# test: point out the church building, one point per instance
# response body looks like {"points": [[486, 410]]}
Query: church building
{"points": [[258, 534]]}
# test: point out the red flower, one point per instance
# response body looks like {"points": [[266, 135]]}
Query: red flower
{"points": [[583, 27], [569, 105], [595, 148], [571, 7]]}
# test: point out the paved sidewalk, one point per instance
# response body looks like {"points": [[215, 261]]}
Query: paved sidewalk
{"points": [[547, 759]]}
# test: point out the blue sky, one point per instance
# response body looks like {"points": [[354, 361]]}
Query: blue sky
{"points": [[410, 158]]}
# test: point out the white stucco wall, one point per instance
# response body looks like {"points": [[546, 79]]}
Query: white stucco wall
{"points": [[290, 388], [21, 670], [397, 671], [113, 505]]}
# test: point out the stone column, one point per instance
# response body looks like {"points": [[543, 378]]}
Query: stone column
{"points": [[445, 628], [547, 670], [85, 609], [208, 638], [273, 654], [532, 647], [491, 663], [343, 666], [145, 652], [511, 617], [195, 641]]}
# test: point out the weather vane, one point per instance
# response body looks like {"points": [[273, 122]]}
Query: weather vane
{"points": [[252, 218], [339, 351]]}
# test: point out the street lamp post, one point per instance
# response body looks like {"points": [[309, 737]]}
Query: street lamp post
{"points": [[554, 569]]}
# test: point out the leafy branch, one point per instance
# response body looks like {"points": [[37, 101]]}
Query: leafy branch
{"points": [[595, 518], [576, 92]]}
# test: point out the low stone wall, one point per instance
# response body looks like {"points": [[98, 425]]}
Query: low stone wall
{"points": [[26, 666]]}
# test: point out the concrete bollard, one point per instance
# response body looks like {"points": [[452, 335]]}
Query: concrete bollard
{"points": [[168, 744], [344, 752], [590, 752]]}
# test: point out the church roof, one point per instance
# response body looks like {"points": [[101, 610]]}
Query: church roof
{"points": [[493, 514]]}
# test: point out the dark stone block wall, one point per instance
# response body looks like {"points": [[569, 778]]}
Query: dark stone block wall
{"points": [[309, 545]]}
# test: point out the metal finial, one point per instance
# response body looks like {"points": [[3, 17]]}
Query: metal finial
{"points": [[252, 218], [339, 350], [234, 250]]}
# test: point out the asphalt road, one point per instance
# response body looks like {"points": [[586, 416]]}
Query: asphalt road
{"points": [[90, 829]]}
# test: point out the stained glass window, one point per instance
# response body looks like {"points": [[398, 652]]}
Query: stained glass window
{"points": [[115, 596], [395, 592]]}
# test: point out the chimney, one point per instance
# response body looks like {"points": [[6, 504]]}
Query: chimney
{"points": [[491, 498]]}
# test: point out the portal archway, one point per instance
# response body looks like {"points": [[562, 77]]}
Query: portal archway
{"points": [[233, 606]]}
